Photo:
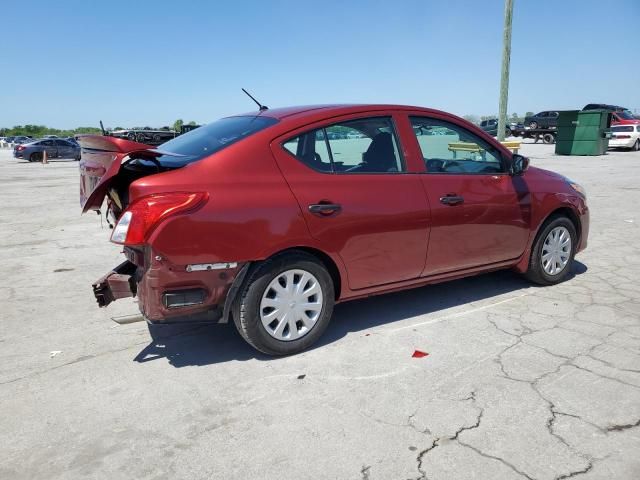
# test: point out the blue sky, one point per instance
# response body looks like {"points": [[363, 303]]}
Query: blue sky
{"points": [[72, 63]]}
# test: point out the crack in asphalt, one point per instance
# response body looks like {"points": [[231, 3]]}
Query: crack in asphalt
{"points": [[619, 428], [72, 362], [576, 472], [499, 459], [554, 412], [456, 438]]}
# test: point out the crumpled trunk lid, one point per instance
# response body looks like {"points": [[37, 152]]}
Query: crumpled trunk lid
{"points": [[100, 162]]}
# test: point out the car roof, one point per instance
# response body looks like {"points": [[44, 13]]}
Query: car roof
{"points": [[603, 106], [311, 113]]}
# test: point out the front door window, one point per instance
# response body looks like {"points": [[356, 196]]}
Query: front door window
{"points": [[450, 149]]}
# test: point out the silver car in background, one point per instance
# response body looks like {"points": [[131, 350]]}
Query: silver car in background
{"points": [[55, 148]]}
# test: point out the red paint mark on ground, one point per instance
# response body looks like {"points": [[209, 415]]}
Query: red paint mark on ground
{"points": [[419, 354]]}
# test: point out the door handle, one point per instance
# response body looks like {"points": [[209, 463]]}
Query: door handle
{"points": [[451, 200], [325, 209]]}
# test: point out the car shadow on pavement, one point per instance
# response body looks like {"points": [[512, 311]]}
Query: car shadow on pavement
{"points": [[205, 344]]}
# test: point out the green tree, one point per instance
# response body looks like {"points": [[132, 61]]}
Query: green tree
{"points": [[529, 114], [177, 125], [192, 123]]}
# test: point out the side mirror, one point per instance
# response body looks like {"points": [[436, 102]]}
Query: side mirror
{"points": [[519, 164]]}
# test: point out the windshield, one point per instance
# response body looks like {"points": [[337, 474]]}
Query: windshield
{"points": [[211, 138]]}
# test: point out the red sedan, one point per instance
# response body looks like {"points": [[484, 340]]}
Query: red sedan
{"points": [[270, 218]]}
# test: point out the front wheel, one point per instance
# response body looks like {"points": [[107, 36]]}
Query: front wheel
{"points": [[553, 252], [286, 304], [533, 125]]}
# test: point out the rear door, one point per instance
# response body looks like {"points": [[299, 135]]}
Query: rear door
{"points": [[358, 197], [553, 119], [479, 213]]}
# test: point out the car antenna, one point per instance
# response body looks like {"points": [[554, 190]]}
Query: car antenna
{"points": [[102, 128], [262, 107]]}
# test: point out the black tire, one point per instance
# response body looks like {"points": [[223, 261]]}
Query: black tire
{"points": [[636, 146], [536, 272], [548, 138], [507, 132], [35, 157], [131, 136], [533, 125], [246, 311], [157, 138]]}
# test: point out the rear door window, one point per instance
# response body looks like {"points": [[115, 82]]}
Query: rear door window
{"points": [[367, 145]]}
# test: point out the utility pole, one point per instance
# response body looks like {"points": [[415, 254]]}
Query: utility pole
{"points": [[506, 59]]}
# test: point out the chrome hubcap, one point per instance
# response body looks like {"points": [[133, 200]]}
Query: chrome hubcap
{"points": [[291, 305], [556, 251]]}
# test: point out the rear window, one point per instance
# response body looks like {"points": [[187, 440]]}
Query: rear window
{"points": [[211, 138], [626, 114], [625, 128]]}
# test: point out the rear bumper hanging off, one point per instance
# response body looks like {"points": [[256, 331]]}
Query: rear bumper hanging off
{"points": [[118, 283]]}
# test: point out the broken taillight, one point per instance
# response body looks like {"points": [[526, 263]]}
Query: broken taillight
{"points": [[142, 216]]}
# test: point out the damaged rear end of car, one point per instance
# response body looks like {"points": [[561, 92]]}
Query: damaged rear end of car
{"points": [[149, 202]]}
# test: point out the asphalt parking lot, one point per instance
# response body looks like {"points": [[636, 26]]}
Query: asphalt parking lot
{"points": [[520, 381]]}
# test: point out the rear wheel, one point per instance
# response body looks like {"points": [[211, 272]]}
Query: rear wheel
{"points": [[548, 138], [636, 146], [533, 125], [553, 251], [35, 157], [286, 304]]}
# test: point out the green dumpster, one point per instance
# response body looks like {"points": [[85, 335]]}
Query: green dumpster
{"points": [[583, 132]]}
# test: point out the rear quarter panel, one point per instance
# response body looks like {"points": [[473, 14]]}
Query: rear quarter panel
{"points": [[250, 215]]}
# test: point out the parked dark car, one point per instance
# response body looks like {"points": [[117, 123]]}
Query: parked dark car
{"points": [[21, 139], [491, 127], [266, 220], [546, 119], [55, 148]]}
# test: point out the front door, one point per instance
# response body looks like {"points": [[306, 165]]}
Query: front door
{"points": [[480, 213], [357, 198]]}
